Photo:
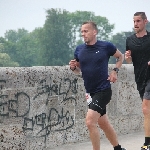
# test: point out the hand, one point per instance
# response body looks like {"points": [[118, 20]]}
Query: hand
{"points": [[113, 76], [127, 54], [72, 64]]}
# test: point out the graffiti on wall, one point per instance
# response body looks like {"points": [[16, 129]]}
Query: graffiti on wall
{"points": [[19, 104]]}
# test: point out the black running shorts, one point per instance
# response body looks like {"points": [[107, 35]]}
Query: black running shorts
{"points": [[145, 93], [100, 100]]}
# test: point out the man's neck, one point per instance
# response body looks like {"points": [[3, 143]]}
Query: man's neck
{"points": [[92, 42], [141, 34]]}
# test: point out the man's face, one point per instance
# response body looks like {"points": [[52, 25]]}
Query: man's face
{"points": [[139, 23], [88, 33]]}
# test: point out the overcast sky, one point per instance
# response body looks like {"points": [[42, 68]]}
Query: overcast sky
{"points": [[30, 14]]}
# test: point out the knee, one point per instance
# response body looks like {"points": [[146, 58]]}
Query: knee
{"points": [[146, 111], [90, 123]]}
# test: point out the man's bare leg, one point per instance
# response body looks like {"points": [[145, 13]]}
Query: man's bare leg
{"points": [[146, 113], [108, 129], [91, 122]]}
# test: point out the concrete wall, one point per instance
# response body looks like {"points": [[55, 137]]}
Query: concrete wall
{"points": [[42, 107]]}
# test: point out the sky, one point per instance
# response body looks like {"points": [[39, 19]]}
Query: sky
{"points": [[30, 14]]}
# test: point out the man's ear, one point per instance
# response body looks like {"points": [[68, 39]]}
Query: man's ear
{"points": [[146, 21], [95, 32]]}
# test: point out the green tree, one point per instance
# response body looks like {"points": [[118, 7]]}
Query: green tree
{"points": [[61, 34], [23, 47], [54, 43], [24, 52], [1, 47], [14, 36], [6, 61], [56, 37], [36, 37], [10, 49]]}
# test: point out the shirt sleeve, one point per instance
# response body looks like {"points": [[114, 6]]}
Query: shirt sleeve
{"points": [[111, 49]]}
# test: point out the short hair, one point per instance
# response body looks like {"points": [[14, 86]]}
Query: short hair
{"points": [[142, 14], [92, 23]]}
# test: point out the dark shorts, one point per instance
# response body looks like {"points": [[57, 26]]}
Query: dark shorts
{"points": [[145, 93], [100, 100]]}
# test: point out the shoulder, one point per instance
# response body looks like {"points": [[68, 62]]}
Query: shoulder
{"points": [[81, 46], [109, 47], [131, 37], [104, 43], [101, 42], [79, 49]]}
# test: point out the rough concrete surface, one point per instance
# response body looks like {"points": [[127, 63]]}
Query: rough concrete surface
{"points": [[129, 141]]}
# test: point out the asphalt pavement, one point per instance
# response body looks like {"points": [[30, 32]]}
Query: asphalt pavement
{"points": [[132, 141]]}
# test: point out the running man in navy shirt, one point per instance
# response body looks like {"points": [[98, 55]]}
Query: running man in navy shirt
{"points": [[91, 58]]}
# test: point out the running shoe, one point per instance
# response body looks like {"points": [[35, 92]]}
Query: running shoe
{"points": [[145, 147]]}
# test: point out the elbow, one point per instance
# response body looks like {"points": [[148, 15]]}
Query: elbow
{"points": [[122, 57]]}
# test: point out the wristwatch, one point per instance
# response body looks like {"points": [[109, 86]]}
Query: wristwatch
{"points": [[116, 69]]}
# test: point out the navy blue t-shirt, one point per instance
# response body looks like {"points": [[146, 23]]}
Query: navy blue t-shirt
{"points": [[93, 61]]}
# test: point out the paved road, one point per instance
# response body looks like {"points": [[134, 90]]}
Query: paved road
{"points": [[130, 141]]}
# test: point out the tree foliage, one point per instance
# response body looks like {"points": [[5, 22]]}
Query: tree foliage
{"points": [[56, 38], [6, 61], [55, 42], [21, 46], [62, 34]]}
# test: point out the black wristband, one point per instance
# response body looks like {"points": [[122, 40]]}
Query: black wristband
{"points": [[73, 69], [116, 69]]}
